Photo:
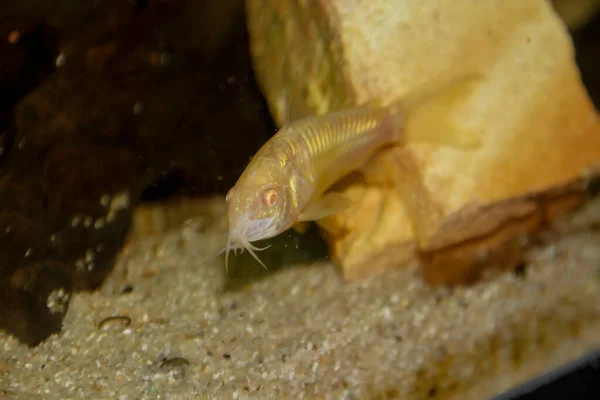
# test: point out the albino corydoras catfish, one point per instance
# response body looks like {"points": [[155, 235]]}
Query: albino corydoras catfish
{"points": [[286, 182]]}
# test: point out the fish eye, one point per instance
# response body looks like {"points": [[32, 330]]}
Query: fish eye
{"points": [[269, 197]]}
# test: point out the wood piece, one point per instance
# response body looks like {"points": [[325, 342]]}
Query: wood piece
{"points": [[539, 129]]}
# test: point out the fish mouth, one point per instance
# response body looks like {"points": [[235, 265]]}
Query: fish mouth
{"points": [[257, 229], [241, 241]]}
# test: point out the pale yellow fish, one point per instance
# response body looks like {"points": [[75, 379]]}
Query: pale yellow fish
{"points": [[286, 182]]}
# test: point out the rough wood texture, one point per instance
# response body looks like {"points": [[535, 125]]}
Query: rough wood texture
{"points": [[540, 131], [99, 103]]}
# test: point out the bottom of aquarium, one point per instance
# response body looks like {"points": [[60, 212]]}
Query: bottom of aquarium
{"points": [[579, 379]]}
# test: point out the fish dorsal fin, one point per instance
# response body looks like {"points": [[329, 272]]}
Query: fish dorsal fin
{"points": [[292, 113], [295, 91], [428, 111], [295, 107], [324, 206]]}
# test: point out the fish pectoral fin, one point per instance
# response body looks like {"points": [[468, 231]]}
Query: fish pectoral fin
{"points": [[430, 112], [324, 206], [301, 227]]}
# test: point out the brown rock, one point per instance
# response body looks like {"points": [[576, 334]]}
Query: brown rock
{"points": [[539, 129]]}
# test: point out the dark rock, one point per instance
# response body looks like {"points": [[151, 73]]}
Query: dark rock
{"points": [[28, 49], [587, 48], [143, 91]]}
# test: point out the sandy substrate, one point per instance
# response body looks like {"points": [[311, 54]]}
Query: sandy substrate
{"points": [[299, 331]]}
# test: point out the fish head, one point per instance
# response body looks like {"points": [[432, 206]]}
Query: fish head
{"points": [[258, 206]]}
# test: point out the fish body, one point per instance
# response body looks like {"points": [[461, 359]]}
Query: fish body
{"points": [[286, 182]]}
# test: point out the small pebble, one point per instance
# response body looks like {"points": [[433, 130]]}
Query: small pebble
{"points": [[60, 60], [138, 107], [14, 37]]}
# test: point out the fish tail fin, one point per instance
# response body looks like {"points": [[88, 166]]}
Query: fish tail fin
{"points": [[427, 111]]}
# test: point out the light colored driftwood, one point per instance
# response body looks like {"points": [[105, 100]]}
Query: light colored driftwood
{"points": [[540, 133]]}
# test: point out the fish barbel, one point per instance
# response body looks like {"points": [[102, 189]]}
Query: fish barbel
{"points": [[286, 182]]}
